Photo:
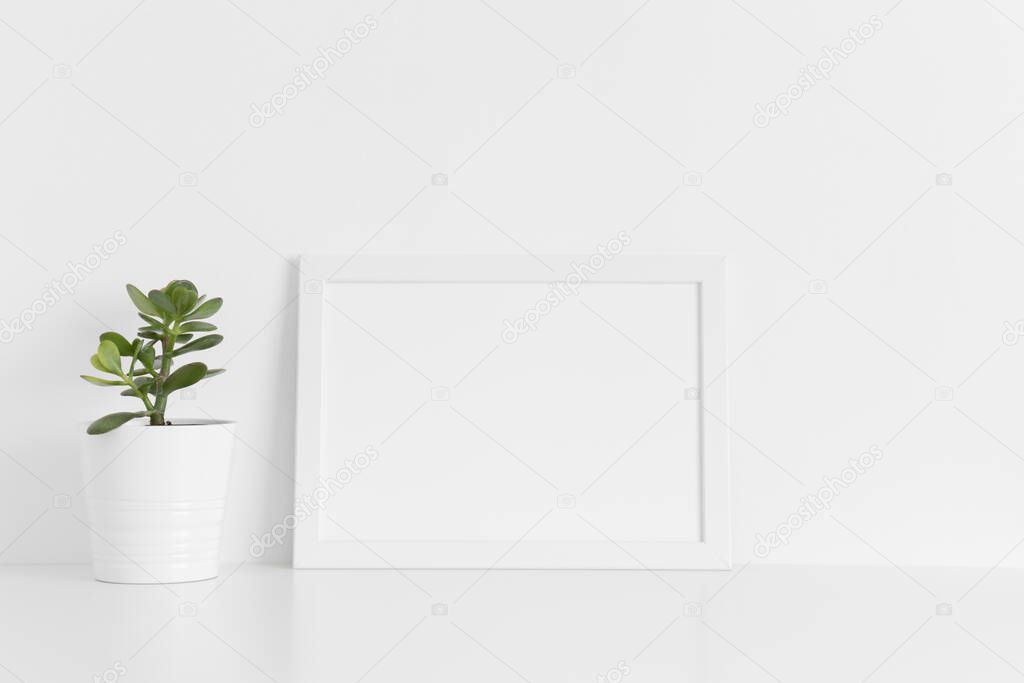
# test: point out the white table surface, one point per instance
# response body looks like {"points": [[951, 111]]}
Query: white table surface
{"points": [[756, 623]]}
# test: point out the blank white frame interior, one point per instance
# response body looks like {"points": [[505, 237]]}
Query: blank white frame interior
{"points": [[511, 412]]}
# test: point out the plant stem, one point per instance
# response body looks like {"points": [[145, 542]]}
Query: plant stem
{"points": [[131, 376], [138, 392], [167, 345]]}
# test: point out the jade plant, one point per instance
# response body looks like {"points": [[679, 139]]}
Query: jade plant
{"points": [[145, 366]]}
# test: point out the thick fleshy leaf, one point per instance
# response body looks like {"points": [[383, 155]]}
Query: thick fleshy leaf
{"points": [[207, 342], [213, 372], [102, 382], [150, 335], [198, 326], [124, 347], [146, 356], [206, 310], [183, 298], [151, 320], [161, 301], [184, 338], [181, 284], [185, 376], [141, 302], [95, 360], [109, 356], [112, 421]]}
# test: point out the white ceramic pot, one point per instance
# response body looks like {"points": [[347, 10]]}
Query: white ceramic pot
{"points": [[155, 499]]}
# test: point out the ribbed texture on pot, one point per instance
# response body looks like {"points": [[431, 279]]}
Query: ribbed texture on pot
{"points": [[155, 542], [155, 500]]}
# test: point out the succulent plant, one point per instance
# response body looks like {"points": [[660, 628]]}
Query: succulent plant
{"points": [[174, 316]]}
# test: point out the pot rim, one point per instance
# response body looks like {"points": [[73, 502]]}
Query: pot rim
{"points": [[141, 422]]}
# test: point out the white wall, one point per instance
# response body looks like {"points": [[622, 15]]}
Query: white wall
{"points": [[920, 277]]}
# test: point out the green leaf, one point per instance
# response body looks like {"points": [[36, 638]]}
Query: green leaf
{"points": [[213, 372], [150, 335], [162, 302], [141, 302], [183, 298], [151, 320], [185, 376], [206, 310], [102, 382], [147, 356], [109, 357], [181, 284], [183, 338], [198, 326], [95, 360], [124, 347], [207, 342], [112, 421]]}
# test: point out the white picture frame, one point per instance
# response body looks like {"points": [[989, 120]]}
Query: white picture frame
{"points": [[321, 540]]}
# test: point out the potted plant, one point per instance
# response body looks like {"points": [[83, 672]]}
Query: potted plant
{"points": [[155, 488]]}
